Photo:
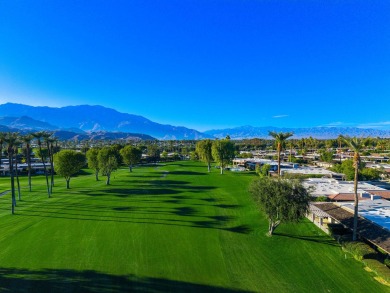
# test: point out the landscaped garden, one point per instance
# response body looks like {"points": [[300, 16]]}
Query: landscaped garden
{"points": [[172, 227]]}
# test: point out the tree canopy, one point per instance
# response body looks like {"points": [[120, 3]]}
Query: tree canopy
{"points": [[204, 151], [93, 162], [223, 152], [131, 155], [282, 200], [67, 163], [107, 162]]}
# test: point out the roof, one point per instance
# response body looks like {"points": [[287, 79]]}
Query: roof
{"points": [[377, 211], [345, 197], [366, 229], [382, 193], [327, 187]]}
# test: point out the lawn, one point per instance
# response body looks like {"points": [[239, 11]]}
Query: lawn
{"points": [[162, 228]]}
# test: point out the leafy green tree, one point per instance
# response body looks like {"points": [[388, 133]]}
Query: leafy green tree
{"points": [[356, 145], [154, 152], [263, 171], [223, 152], [107, 162], [93, 162], [326, 156], [68, 163], [204, 150], [280, 139], [131, 155], [368, 174], [281, 200]]}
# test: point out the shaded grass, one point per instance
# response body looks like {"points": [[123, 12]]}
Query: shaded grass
{"points": [[162, 228]]}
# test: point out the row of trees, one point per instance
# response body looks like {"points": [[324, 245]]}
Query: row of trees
{"points": [[221, 151]]}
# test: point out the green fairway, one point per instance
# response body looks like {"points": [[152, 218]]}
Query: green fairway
{"points": [[162, 228]]}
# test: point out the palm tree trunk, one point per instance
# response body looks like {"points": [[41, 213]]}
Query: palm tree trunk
{"points": [[279, 150], [28, 157], [17, 179], [45, 170], [356, 204], [11, 173]]}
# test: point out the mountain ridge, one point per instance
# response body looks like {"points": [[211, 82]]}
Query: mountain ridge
{"points": [[91, 119]]}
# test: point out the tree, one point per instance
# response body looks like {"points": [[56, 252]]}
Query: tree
{"points": [[27, 141], [2, 137], [131, 155], [154, 152], [68, 163], [16, 151], [11, 139], [263, 171], [93, 163], [282, 200], [107, 162], [38, 136], [223, 152], [326, 156], [204, 151], [356, 145], [280, 139]]}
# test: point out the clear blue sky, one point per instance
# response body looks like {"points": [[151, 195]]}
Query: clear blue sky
{"points": [[203, 64]]}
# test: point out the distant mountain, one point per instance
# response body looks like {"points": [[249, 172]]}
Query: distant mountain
{"points": [[97, 118], [315, 132], [101, 135], [26, 123]]}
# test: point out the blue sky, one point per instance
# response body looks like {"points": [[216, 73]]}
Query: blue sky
{"points": [[203, 64]]}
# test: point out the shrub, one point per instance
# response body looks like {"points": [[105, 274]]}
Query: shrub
{"points": [[378, 268], [358, 249]]}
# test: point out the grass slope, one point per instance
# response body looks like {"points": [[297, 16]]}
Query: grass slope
{"points": [[172, 227]]}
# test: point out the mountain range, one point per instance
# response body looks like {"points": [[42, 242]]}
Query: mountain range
{"points": [[97, 122]]}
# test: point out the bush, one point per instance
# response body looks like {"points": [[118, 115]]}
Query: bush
{"points": [[378, 268], [387, 262], [358, 249]]}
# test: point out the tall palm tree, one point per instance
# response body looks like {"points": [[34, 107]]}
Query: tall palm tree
{"points": [[16, 151], [356, 145], [280, 139], [50, 146], [38, 136], [27, 141], [2, 136], [11, 140]]}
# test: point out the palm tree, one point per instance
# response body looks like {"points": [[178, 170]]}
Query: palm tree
{"points": [[38, 136], [27, 141], [2, 136], [356, 145], [280, 139], [49, 143], [16, 151], [11, 140]]}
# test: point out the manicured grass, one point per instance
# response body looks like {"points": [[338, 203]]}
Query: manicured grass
{"points": [[171, 227]]}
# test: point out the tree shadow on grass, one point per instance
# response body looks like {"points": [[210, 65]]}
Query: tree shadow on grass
{"points": [[186, 173], [66, 280], [323, 239]]}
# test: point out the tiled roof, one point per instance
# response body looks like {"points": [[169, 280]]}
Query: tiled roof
{"points": [[344, 197], [382, 193]]}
